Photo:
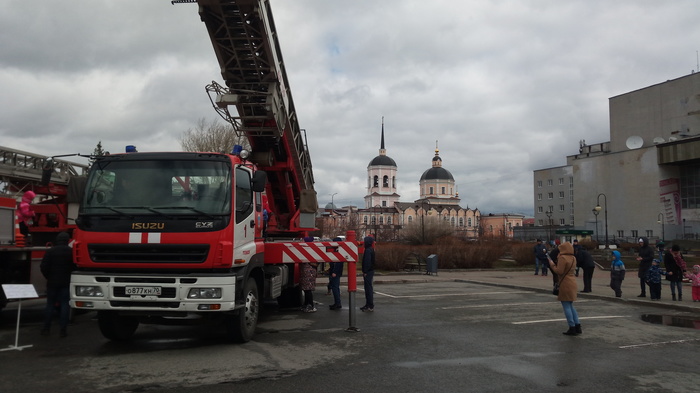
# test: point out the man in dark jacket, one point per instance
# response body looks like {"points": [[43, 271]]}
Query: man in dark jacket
{"points": [[584, 261], [540, 251], [646, 256], [57, 266], [368, 274], [334, 273]]}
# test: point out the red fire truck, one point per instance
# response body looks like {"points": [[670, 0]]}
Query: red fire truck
{"points": [[184, 235], [58, 188]]}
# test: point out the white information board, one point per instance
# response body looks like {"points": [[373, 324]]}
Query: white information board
{"points": [[19, 291]]}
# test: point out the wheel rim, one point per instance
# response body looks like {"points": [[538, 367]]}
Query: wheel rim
{"points": [[251, 310]]}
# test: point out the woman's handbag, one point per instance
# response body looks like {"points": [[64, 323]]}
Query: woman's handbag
{"points": [[555, 291]]}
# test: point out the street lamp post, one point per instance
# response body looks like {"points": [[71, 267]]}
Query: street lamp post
{"points": [[661, 218], [422, 218], [549, 224], [376, 223], [598, 209], [595, 213]]}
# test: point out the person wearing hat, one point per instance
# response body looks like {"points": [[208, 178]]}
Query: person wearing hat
{"points": [[57, 266], [646, 256]]}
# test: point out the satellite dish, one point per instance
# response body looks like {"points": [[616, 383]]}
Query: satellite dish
{"points": [[634, 142], [658, 140]]}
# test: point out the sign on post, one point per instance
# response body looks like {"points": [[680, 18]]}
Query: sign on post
{"points": [[18, 291]]}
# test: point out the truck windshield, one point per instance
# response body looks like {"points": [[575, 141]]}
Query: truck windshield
{"points": [[158, 187]]}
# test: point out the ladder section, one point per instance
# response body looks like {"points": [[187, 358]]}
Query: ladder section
{"points": [[245, 42]]}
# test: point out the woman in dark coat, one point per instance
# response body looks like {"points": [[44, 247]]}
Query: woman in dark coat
{"points": [[565, 269], [675, 267]]}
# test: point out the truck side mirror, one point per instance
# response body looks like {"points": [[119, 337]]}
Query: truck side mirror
{"points": [[259, 181]]}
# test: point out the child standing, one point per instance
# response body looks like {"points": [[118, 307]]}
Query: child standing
{"points": [[653, 279], [617, 273], [695, 282]]}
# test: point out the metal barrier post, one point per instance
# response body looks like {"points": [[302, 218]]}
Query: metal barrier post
{"points": [[352, 284]]}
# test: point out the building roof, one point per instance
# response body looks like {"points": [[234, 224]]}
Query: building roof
{"points": [[382, 160], [437, 173]]}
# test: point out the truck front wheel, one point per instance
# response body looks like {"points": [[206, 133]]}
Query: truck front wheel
{"points": [[241, 326], [116, 327]]}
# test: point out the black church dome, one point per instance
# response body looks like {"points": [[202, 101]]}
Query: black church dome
{"points": [[437, 173], [382, 160]]}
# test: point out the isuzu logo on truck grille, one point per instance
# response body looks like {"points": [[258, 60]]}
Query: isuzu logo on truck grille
{"points": [[147, 225], [204, 225]]}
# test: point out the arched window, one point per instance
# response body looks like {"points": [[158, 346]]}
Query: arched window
{"points": [[385, 181], [393, 181], [376, 181], [365, 220], [410, 219], [469, 222], [461, 222], [452, 221], [374, 220], [381, 220]]}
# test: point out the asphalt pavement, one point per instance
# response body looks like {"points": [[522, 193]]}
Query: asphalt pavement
{"points": [[526, 279]]}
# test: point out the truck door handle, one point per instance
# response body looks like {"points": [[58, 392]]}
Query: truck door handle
{"points": [[252, 223]]}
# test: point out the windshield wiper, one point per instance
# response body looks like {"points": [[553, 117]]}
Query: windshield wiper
{"points": [[190, 208]]}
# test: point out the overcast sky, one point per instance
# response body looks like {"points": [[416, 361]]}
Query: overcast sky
{"points": [[505, 87]]}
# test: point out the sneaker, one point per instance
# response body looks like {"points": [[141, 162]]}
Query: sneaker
{"points": [[363, 308], [310, 309], [335, 306]]}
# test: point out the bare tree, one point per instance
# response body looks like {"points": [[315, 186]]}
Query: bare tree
{"points": [[426, 231], [211, 137]]}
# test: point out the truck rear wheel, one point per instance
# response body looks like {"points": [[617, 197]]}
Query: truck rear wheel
{"points": [[241, 327], [116, 327]]}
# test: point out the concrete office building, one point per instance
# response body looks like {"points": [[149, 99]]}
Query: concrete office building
{"points": [[646, 178]]}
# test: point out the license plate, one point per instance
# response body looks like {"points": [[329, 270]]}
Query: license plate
{"points": [[142, 291]]}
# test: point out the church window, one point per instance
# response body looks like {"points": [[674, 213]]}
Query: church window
{"points": [[410, 219], [385, 181], [376, 181], [442, 190], [365, 220]]}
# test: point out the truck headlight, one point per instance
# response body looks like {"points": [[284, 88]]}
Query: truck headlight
{"points": [[89, 291], [204, 293]]}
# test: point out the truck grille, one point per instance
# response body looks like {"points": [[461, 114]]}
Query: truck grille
{"points": [[148, 253]]}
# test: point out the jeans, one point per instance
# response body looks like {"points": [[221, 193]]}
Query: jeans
{"points": [[570, 313], [369, 289], [335, 288], [61, 297], [678, 284], [537, 266]]}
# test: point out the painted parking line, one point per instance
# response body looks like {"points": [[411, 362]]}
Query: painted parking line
{"points": [[553, 302], [658, 343], [564, 319], [446, 294]]}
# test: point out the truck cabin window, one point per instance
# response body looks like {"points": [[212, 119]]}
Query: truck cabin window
{"points": [[158, 187]]}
